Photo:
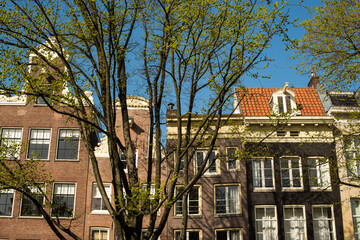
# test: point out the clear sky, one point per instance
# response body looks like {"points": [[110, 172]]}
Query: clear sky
{"points": [[281, 69]]}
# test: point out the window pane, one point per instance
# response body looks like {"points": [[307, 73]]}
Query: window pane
{"points": [[97, 201], [281, 104], [231, 154], [68, 144], [288, 104], [355, 209], [323, 223], [227, 199], [266, 223], [63, 200], [294, 223], [39, 143], [11, 141], [192, 201], [99, 234], [28, 207], [6, 202], [291, 173], [262, 173]]}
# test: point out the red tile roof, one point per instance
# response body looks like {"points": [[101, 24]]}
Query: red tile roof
{"points": [[256, 101]]}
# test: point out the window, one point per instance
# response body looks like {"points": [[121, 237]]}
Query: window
{"points": [[352, 155], [283, 101], [294, 133], [28, 207], [263, 173], [281, 133], [182, 164], [148, 200], [200, 155], [39, 100], [227, 199], [99, 233], [291, 176], [355, 210], [193, 202], [294, 222], [319, 173], [39, 143], [98, 205], [6, 202], [232, 158], [265, 222], [323, 223], [68, 144], [190, 234], [11, 140], [63, 200], [228, 234], [123, 160]]}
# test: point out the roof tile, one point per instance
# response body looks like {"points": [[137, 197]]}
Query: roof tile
{"points": [[256, 101]]}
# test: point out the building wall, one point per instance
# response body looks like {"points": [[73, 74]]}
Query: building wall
{"points": [[302, 197], [31, 116], [208, 221]]}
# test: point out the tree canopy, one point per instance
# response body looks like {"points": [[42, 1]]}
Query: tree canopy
{"points": [[182, 48], [331, 43]]}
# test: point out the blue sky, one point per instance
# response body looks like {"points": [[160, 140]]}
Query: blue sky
{"points": [[281, 69]]}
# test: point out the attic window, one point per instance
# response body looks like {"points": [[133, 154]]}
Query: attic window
{"points": [[283, 101]]}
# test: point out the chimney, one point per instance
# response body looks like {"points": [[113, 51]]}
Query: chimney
{"points": [[171, 111], [314, 80]]}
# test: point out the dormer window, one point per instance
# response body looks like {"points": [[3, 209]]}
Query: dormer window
{"points": [[283, 101]]}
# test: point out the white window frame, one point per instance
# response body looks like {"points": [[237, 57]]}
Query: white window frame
{"points": [[228, 159], [57, 145], [238, 205], [262, 173], [295, 222], [228, 232], [29, 139], [187, 233], [33, 189], [93, 229], [324, 219], [355, 217], [96, 192], [322, 170], [217, 163], [352, 155], [291, 173], [7, 191], [266, 220], [52, 197], [179, 202], [17, 142]]}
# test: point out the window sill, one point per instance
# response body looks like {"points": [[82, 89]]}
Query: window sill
{"points": [[321, 189], [100, 212], [227, 215], [189, 216], [264, 190], [6, 217], [67, 160], [31, 217], [292, 189], [211, 175], [37, 159]]}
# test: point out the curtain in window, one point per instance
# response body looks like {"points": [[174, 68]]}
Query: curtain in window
{"points": [[233, 198]]}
